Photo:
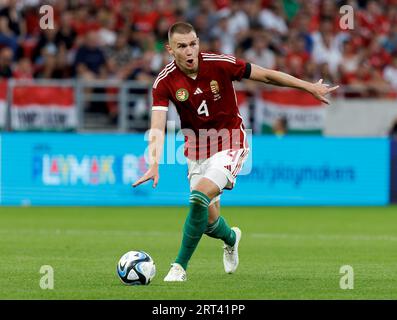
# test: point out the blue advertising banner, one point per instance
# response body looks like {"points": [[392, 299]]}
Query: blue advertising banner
{"points": [[84, 169], [98, 169], [315, 171], [393, 171]]}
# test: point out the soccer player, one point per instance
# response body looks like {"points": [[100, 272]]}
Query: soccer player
{"points": [[200, 85]]}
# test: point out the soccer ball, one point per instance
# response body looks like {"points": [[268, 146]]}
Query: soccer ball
{"points": [[136, 268]]}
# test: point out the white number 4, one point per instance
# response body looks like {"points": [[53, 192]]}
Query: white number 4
{"points": [[203, 109]]}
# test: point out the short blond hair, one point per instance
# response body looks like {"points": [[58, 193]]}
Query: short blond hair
{"points": [[180, 27]]}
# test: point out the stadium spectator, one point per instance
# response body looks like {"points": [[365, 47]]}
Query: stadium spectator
{"points": [[204, 26], [66, 34], [143, 70], [23, 69], [237, 22], [390, 73], [6, 57], [305, 38], [170, 10], [326, 74], [226, 26], [144, 17], [297, 56], [7, 37], [32, 20], [252, 9], [280, 126], [310, 71], [351, 58], [372, 20], [89, 65], [393, 130], [231, 29], [204, 17], [291, 8], [47, 42], [53, 66], [366, 82], [106, 34], [227, 41], [302, 26], [119, 58], [311, 10], [90, 59], [13, 17], [84, 20], [390, 41], [161, 33], [326, 48], [377, 56], [260, 53], [329, 10], [273, 18]]}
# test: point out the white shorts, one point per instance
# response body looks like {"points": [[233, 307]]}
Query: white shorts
{"points": [[221, 168]]}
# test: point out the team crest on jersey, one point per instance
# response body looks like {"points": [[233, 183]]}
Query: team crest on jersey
{"points": [[182, 94], [215, 89]]}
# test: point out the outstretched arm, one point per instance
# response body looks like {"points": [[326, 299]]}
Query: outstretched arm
{"points": [[317, 89], [156, 143]]}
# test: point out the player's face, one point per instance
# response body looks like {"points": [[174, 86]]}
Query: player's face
{"points": [[185, 49]]}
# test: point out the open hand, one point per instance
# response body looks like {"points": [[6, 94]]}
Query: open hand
{"points": [[151, 174], [319, 90]]}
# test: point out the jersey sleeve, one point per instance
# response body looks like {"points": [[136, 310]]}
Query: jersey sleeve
{"points": [[238, 69], [160, 97]]}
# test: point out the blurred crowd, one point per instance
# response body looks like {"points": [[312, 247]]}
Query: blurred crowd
{"points": [[124, 39]]}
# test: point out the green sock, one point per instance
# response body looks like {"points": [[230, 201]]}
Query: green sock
{"points": [[220, 230], [195, 226]]}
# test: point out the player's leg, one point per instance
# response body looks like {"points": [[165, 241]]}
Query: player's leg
{"points": [[214, 211], [223, 168], [219, 173], [194, 227], [197, 219], [219, 229], [217, 226]]}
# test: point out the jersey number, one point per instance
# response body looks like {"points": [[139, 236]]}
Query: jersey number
{"points": [[203, 109]]}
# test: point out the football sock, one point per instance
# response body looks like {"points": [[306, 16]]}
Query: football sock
{"points": [[195, 226], [220, 230]]}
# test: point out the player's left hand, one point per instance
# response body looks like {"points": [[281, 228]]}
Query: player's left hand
{"points": [[319, 90]]}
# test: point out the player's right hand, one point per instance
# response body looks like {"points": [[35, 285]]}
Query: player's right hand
{"points": [[151, 174]]}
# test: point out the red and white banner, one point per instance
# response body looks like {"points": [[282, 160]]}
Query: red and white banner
{"points": [[43, 108], [302, 110], [3, 103]]}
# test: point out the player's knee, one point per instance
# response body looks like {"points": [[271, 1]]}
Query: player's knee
{"points": [[204, 191], [213, 212], [207, 187], [212, 219]]}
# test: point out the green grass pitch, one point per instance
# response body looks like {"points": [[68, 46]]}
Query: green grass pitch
{"points": [[285, 253]]}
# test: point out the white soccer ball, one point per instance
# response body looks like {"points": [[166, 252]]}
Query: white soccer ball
{"points": [[136, 268]]}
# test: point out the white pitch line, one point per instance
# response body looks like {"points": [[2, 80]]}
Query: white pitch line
{"points": [[79, 232], [156, 233], [292, 236]]}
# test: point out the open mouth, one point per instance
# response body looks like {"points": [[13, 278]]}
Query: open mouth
{"points": [[190, 62]]}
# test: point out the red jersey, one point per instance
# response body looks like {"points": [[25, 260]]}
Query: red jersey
{"points": [[207, 105]]}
